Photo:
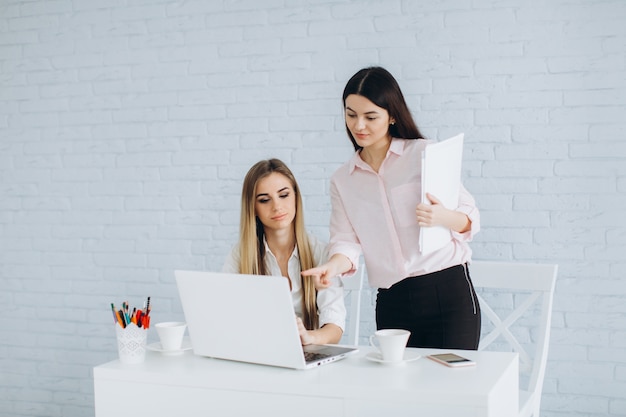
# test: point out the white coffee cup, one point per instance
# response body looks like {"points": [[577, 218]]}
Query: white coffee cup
{"points": [[171, 334], [390, 343]]}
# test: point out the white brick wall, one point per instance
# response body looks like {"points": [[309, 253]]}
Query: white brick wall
{"points": [[126, 129]]}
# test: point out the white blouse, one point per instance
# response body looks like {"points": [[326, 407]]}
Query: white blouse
{"points": [[330, 301]]}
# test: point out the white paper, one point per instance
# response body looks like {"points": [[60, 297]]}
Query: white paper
{"points": [[441, 177]]}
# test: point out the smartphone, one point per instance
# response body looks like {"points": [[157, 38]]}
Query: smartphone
{"points": [[451, 359]]}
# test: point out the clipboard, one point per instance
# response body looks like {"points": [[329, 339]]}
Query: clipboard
{"points": [[441, 177]]}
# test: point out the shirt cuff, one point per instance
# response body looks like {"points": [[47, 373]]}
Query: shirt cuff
{"points": [[331, 317], [474, 216], [349, 252]]}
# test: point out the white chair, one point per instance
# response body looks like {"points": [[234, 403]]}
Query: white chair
{"points": [[353, 286], [512, 280]]}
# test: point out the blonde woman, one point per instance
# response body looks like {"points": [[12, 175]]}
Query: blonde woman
{"points": [[273, 241]]}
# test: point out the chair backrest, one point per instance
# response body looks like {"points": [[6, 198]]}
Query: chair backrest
{"points": [[529, 291], [353, 286]]}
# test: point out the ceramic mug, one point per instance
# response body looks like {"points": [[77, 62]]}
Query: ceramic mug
{"points": [[390, 343], [171, 334]]}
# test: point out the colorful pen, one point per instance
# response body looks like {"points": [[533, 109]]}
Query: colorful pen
{"points": [[123, 316]]}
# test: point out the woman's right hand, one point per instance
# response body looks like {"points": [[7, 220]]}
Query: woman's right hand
{"points": [[323, 274]]}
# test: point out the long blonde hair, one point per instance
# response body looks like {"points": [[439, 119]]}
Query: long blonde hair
{"points": [[252, 233]]}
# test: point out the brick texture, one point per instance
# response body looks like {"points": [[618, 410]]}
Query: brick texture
{"points": [[126, 128]]}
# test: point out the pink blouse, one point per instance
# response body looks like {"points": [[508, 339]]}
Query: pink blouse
{"points": [[374, 214]]}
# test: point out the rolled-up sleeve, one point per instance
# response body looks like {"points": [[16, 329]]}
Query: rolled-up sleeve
{"points": [[343, 238], [467, 205]]}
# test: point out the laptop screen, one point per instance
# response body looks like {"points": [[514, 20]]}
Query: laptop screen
{"points": [[248, 318]]}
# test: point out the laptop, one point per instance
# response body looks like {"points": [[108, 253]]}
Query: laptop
{"points": [[247, 318]]}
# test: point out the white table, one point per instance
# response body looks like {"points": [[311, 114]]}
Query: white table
{"points": [[193, 386]]}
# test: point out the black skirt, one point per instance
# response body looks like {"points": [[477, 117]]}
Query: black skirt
{"points": [[440, 309]]}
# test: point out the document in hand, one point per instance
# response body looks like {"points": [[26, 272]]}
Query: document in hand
{"points": [[441, 177]]}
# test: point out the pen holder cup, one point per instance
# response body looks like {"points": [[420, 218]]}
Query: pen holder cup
{"points": [[131, 343]]}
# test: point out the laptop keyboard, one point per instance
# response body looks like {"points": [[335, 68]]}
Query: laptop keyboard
{"points": [[315, 356]]}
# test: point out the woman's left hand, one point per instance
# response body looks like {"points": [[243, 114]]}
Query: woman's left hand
{"points": [[433, 214], [306, 338]]}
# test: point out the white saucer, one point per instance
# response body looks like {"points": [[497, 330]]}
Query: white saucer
{"points": [[158, 348], [409, 356]]}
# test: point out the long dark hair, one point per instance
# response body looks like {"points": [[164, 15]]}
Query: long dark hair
{"points": [[378, 86]]}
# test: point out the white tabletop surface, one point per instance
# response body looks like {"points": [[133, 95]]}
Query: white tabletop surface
{"points": [[354, 378]]}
